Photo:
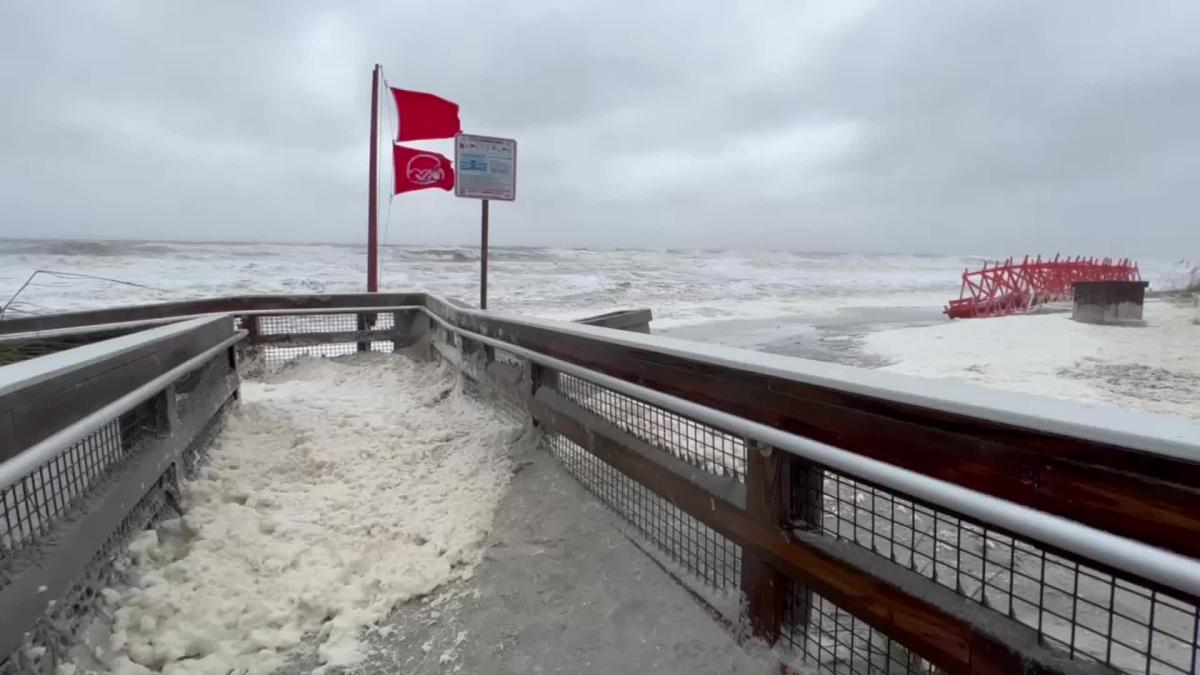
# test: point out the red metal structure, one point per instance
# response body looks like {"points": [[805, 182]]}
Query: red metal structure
{"points": [[1013, 288]]}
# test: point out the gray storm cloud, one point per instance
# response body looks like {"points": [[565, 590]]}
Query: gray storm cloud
{"points": [[988, 128]]}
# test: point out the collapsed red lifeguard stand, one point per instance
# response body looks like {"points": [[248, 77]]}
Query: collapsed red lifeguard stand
{"points": [[1014, 288]]}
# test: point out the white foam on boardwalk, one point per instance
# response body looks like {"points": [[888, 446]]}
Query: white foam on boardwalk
{"points": [[338, 489]]}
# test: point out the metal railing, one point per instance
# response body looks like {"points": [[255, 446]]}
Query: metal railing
{"points": [[1029, 534], [91, 444], [872, 523]]}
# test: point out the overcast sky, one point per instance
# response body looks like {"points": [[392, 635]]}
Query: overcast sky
{"points": [[989, 128]]}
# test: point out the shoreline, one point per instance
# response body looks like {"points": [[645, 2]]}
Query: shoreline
{"points": [[833, 337], [1155, 367]]}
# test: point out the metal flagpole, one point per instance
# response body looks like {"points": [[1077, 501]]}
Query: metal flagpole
{"points": [[372, 191]]}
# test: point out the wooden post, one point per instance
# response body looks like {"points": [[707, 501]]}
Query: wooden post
{"points": [[807, 510], [401, 330], [253, 329], [360, 324], [541, 376], [768, 492], [250, 323], [166, 411], [471, 352]]}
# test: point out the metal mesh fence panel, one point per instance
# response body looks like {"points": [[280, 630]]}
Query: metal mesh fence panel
{"points": [[58, 629], [54, 634], [820, 631], [33, 504], [284, 324], [700, 445], [838, 642], [825, 634], [311, 335], [274, 356], [1087, 613], [685, 540]]}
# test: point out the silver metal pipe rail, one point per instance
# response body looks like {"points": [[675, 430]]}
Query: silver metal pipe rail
{"points": [[1170, 569], [1158, 434], [34, 456], [1168, 435]]}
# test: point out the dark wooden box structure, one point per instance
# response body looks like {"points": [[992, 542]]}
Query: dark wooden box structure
{"points": [[1109, 302]]}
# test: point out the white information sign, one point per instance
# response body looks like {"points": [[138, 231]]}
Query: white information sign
{"points": [[486, 167]]}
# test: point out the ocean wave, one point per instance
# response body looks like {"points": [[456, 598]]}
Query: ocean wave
{"points": [[531, 280], [466, 254], [86, 248], [435, 254]]}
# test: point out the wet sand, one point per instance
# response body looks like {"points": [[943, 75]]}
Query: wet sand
{"points": [[836, 338]]}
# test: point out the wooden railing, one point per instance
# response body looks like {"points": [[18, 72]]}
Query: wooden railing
{"points": [[92, 441], [876, 523]]}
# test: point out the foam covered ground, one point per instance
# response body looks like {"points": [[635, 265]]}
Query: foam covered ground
{"points": [[1155, 367], [367, 515], [337, 490], [561, 589]]}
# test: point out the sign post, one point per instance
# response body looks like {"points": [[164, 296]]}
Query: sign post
{"points": [[483, 251], [486, 169]]}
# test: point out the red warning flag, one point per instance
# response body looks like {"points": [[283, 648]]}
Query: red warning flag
{"points": [[421, 170], [424, 116]]}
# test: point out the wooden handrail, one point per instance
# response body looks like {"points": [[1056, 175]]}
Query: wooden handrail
{"points": [[52, 398], [1141, 494], [231, 304], [1138, 494]]}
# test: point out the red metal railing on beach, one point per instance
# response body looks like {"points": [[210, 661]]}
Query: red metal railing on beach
{"points": [[1013, 288]]}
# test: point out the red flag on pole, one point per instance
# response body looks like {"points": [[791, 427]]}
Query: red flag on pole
{"points": [[421, 170], [424, 116]]}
